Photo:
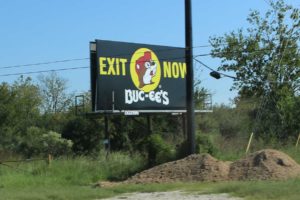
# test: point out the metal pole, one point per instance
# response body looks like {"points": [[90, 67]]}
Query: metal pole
{"points": [[149, 125], [107, 139], [183, 125], [189, 77], [151, 154], [93, 72]]}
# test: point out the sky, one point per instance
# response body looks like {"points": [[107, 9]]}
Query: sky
{"points": [[35, 31]]}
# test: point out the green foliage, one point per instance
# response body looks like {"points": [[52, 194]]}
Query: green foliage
{"points": [[19, 104], [266, 61], [64, 171], [86, 135], [204, 144], [19, 109], [37, 141], [120, 165], [52, 89], [158, 150], [56, 145]]}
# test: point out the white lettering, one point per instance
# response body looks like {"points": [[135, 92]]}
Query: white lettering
{"points": [[166, 100], [135, 96], [128, 97]]}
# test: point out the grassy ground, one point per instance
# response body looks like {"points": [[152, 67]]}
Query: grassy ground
{"points": [[73, 179], [65, 178], [279, 190]]}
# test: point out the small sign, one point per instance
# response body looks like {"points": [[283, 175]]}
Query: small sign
{"points": [[131, 112], [106, 141]]}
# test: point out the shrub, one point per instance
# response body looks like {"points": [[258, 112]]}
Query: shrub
{"points": [[54, 144], [37, 141], [121, 165], [203, 144], [85, 135], [158, 150]]}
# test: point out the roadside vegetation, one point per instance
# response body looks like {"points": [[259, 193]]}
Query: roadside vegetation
{"points": [[38, 119]]}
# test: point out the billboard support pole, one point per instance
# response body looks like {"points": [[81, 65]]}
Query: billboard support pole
{"points": [[183, 125], [93, 73], [151, 154], [107, 141], [149, 125], [189, 78]]}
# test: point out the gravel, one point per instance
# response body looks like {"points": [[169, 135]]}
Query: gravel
{"points": [[175, 195]]}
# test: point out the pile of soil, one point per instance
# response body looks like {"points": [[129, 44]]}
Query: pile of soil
{"points": [[262, 165], [192, 168]]}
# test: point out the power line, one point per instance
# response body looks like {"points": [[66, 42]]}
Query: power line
{"points": [[79, 59], [66, 69], [73, 68], [43, 63], [214, 70], [43, 71]]}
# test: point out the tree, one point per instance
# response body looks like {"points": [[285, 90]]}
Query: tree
{"points": [[26, 103], [266, 61], [53, 92], [86, 135], [19, 109]]}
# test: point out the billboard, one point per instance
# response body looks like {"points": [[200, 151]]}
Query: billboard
{"points": [[128, 77]]}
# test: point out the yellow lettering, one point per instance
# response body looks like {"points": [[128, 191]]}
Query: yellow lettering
{"points": [[112, 66], [167, 69], [111, 69], [182, 68], [175, 70], [102, 65], [118, 66], [123, 62]]}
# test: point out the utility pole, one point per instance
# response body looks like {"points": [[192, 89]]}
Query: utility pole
{"points": [[189, 77]]}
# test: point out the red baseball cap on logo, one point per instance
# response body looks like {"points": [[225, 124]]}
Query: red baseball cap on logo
{"points": [[145, 58]]}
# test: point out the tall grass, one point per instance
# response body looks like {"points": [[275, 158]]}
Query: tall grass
{"points": [[73, 178], [235, 148], [70, 171]]}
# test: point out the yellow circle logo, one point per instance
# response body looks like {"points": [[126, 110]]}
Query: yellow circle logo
{"points": [[145, 70]]}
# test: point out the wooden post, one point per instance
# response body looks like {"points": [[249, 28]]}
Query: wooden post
{"points": [[50, 158], [249, 143], [298, 141]]}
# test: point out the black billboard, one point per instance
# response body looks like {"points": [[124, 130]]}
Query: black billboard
{"points": [[137, 77]]}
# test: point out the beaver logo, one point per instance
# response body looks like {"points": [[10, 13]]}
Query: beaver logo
{"points": [[145, 70], [145, 73]]}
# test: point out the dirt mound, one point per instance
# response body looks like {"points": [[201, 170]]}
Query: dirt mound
{"points": [[264, 165], [192, 168]]}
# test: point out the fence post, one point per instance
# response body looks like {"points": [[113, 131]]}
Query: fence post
{"points": [[50, 158], [249, 143], [298, 141]]}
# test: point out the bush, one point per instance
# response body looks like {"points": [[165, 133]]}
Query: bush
{"points": [[85, 135], [37, 141], [158, 150], [121, 165], [54, 144], [203, 144]]}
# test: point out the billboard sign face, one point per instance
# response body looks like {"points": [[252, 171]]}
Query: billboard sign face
{"points": [[138, 77]]}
